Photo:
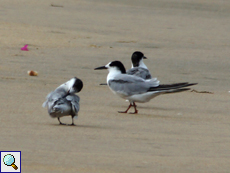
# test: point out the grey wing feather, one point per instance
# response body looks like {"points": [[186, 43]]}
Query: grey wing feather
{"points": [[74, 99], [140, 72], [54, 96], [129, 85], [47, 99], [51, 98]]}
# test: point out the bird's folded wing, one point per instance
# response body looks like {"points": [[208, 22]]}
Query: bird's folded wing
{"points": [[74, 99], [139, 71], [130, 85]]}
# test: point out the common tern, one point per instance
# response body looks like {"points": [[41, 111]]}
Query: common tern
{"points": [[136, 89], [63, 101], [138, 66]]}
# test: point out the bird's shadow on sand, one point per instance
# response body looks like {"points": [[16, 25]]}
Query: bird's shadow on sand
{"points": [[139, 107], [80, 126], [154, 111]]}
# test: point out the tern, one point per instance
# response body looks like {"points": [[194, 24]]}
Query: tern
{"points": [[63, 101], [136, 89], [138, 67]]}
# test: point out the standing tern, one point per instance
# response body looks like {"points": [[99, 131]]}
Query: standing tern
{"points": [[63, 101], [134, 88]]}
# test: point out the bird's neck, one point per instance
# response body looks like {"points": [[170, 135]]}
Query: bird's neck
{"points": [[142, 64], [112, 74]]}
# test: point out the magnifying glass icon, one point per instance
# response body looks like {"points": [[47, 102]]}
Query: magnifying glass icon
{"points": [[9, 160]]}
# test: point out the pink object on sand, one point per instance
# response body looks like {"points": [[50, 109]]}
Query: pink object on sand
{"points": [[25, 48]]}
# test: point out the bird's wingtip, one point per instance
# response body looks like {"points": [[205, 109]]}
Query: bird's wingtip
{"points": [[44, 104]]}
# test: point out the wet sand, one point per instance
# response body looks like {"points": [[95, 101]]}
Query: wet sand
{"points": [[184, 41]]}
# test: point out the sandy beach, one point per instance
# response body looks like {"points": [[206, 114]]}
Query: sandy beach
{"points": [[184, 41]]}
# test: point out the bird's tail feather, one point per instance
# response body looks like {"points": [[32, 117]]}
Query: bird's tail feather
{"points": [[44, 104], [168, 87], [103, 83]]}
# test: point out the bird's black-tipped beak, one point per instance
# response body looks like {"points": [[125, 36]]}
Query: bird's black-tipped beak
{"points": [[100, 68], [145, 57]]}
